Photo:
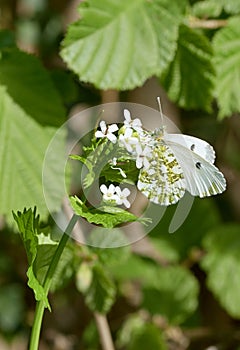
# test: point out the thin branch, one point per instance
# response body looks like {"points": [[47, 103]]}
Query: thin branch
{"points": [[104, 331], [195, 22]]}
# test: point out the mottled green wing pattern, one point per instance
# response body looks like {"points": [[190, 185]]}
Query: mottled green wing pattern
{"points": [[162, 182]]}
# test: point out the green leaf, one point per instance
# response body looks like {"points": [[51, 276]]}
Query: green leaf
{"points": [[95, 158], [23, 144], [179, 245], [213, 8], [170, 291], [101, 293], [100, 238], [28, 225], [173, 293], [231, 6], [30, 86], [147, 337], [222, 265], [226, 46], [189, 79], [65, 269], [112, 174], [108, 217], [45, 250], [66, 85], [134, 268], [111, 47], [207, 8]]}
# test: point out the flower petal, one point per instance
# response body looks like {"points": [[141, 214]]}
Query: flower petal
{"points": [[137, 123], [112, 128], [128, 132], [126, 192], [126, 203], [99, 133], [112, 138], [139, 162], [103, 126], [127, 115], [103, 189], [112, 188]]}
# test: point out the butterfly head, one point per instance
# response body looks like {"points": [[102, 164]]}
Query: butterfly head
{"points": [[158, 133]]}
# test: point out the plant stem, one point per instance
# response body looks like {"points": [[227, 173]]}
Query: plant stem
{"points": [[195, 22], [35, 334], [104, 331]]}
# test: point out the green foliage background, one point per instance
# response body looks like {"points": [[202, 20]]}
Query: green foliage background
{"points": [[185, 283]]}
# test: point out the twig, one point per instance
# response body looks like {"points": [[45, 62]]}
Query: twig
{"points": [[195, 22], [104, 331]]}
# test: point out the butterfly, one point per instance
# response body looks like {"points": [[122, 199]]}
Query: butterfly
{"points": [[178, 163]]}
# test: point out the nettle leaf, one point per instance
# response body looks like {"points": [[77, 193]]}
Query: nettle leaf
{"points": [[215, 8], [189, 79], [173, 293], [108, 217], [175, 247], [207, 8], [28, 225], [95, 159], [101, 238], [30, 87], [113, 48], [170, 291], [226, 44], [222, 265], [112, 174], [231, 6], [22, 149], [100, 295], [65, 269], [134, 268]]}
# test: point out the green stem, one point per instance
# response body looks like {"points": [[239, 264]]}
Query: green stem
{"points": [[35, 334]]}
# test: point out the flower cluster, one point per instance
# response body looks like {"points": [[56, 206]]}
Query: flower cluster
{"points": [[116, 195], [131, 136], [137, 142]]}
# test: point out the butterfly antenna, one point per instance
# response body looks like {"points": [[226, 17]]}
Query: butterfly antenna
{"points": [[160, 110]]}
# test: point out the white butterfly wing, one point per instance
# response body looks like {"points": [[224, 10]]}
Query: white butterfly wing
{"points": [[202, 177], [198, 146], [162, 181]]}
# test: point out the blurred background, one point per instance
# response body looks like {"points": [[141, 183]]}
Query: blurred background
{"points": [[197, 306]]}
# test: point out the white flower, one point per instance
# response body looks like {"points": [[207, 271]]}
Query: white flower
{"points": [[116, 194], [107, 131], [142, 156], [136, 124], [122, 196], [128, 140], [109, 194]]}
